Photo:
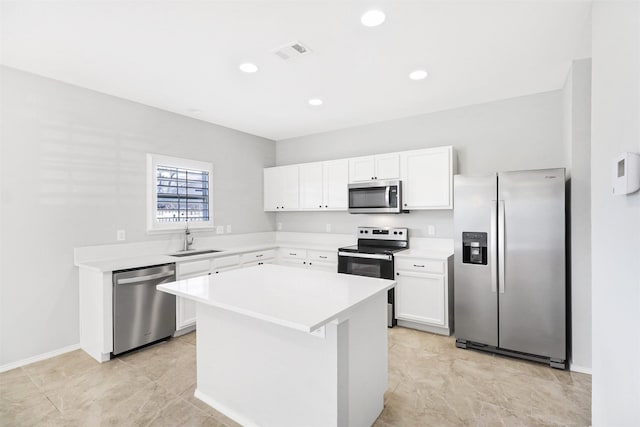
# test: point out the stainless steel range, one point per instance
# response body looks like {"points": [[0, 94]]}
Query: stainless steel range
{"points": [[373, 257]]}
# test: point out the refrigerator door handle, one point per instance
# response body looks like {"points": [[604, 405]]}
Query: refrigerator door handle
{"points": [[501, 240], [493, 254]]}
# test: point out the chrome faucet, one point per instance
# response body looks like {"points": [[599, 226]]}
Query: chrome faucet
{"points": [[188, 240]]}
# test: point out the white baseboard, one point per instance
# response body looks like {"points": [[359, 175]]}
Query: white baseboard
{"points": [[43, 356], [581, 369], [424, 328], [224, 410]]}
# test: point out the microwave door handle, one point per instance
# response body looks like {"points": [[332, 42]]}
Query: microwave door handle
{"points": [[387, 195]]}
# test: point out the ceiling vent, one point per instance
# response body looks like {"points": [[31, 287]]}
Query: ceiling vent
{"points": [[292, 50]]}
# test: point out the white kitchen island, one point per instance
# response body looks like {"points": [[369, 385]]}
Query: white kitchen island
{"points": [[283, 346]]}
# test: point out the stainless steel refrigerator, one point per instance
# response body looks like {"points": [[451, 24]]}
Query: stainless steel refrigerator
{"points": [[510, 292]]}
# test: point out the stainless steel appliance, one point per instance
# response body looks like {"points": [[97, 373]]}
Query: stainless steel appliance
{"points": [[376, 197], [510, 295], [373, 257], [142, 314]]}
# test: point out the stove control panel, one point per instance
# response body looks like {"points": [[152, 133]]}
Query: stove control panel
{"points": [[383, 233]]}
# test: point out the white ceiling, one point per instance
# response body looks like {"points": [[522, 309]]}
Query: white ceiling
{"points": [[184, 55]]}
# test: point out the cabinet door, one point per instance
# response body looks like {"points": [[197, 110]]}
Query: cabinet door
{"points": [[362, 169], [185, 313], [271, 188], [311, 186], [420, 298], [427, 177], [331, 267], [227, 268], [294, 262], [335, 185], [387, 166], [288, 189]]}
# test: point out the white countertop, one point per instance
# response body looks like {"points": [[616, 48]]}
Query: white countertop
{"points": [[288, 296], [442, 255], [122, 263]]}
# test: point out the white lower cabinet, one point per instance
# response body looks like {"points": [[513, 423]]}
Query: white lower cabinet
{"points": [[424, 298], [311, 259], [185, 314], [258, 257], [420, 297], [225, 263], [186, 309]]}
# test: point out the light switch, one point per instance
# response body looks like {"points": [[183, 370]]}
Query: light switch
{"points": [[229, 228], [327, 228], [431, 230], [279, 226], [121, 235], [220, 229]]}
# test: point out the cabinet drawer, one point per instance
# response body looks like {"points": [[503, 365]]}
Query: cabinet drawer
{"points": [[254, 263], [226, 261], [258, 255], [229, 268], [323, 256], [293, 253], [420, 265], [294, 262], [193, 267]]}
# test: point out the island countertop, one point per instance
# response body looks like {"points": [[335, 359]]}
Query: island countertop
{"points": [[288, 296]]}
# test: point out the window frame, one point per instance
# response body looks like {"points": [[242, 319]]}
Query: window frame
{"points": [[155, 160]]}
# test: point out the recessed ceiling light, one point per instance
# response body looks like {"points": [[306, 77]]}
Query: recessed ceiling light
{"points": [[248, 67], [316, 102], [418, 75], [372, 18]]}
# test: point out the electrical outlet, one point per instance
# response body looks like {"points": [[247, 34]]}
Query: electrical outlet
{"points": [[120, 235], [220, 229], [279, 226], [228, 228], [431, 230], [327, 228]]}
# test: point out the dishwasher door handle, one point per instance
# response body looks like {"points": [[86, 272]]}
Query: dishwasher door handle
{"points": [[133, 280]]}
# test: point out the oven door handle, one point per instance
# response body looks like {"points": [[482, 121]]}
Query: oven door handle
{"points": [[370, 256]]}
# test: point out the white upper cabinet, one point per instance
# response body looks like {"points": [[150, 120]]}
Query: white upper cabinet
{"points": [[387, 166], [335, 184], [383, 166], [323, 185], [427, 178], [281, 188], [362, 169], [311, 186]]}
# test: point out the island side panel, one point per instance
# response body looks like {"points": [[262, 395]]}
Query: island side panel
{"points": [[259, 373], [367, 361]]}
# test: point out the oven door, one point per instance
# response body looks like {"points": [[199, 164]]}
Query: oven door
{"points": [[371, 265], [375, 197]]}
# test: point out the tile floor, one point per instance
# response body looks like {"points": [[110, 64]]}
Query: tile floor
{"points": [[431, 383]]}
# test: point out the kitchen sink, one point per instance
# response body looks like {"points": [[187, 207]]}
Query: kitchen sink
{"points": [[194, 252]]}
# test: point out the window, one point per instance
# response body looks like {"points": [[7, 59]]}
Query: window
{"points": [[179, 190]]}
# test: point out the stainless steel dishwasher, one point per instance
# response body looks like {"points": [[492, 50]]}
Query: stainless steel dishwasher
{"points": [[141, 313]]}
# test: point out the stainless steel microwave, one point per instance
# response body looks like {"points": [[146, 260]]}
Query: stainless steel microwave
{"points": [[376, 197]]}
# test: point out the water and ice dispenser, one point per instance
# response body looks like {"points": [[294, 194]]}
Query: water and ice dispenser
{"points": [[474, 248]]}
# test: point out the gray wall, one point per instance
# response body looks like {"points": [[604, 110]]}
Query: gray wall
{"points": [[72, 172], [513, 134], [615, 220], [578, 140]]}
